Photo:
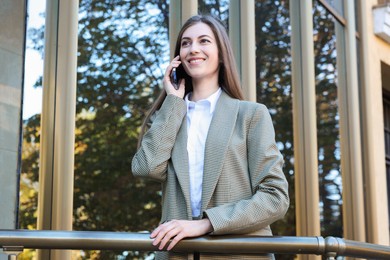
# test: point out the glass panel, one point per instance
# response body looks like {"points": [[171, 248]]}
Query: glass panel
{"points": [[32, 108], [357, 17], [385, 75], [123, 52], [273, 86], [336, 5], [327, 123], [386, 117], [32, 99], [220, 8], [336, 8]]}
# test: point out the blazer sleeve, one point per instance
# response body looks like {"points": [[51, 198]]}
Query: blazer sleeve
{"points": [[151, 159], [270, 199]]}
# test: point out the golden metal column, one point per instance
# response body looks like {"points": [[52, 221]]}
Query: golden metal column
{"points": [[243, 37], [374, 164], [179, 12], [174, 23], [304, 120], [55, 206], [350, 137], [188, 9]]}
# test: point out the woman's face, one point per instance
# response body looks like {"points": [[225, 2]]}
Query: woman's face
{"points": [[199, 52]]}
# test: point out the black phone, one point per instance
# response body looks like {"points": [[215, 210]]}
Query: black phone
{"points": [[174, 79]]}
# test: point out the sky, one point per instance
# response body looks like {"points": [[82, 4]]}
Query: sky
{"points": [[32, 99]]}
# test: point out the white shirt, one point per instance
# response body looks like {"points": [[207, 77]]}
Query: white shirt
{"points": [[199, 115]]}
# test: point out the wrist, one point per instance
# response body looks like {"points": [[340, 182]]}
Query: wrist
{"points": [[207, 225]]}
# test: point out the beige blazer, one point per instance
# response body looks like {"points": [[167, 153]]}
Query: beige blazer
{"points": [[244, 188]]}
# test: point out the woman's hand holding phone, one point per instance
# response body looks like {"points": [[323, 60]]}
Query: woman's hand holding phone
{"points": [[172, 83]]}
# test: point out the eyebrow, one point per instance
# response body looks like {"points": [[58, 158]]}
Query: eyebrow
{"points": [[201, 36]]}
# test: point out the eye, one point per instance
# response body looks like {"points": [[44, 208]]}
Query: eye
{"points": [[205, 40], [185, 43]]}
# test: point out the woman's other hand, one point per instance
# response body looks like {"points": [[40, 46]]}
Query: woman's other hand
{"points": [[179, 229]]}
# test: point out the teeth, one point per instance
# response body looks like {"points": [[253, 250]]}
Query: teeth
{"points": [[196, 61]]}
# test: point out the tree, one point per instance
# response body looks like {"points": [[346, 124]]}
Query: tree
{"points": [[327, 122], [273, 83]]}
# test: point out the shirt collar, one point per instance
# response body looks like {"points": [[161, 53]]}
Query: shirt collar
{"points": [[212, 100]]}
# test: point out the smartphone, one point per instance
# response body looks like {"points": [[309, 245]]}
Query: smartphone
{"points": [[174, 79]]}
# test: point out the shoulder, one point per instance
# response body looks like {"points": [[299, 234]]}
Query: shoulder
{"points": [[242, 104], [251, 109], [242, 108], [251, 105]]}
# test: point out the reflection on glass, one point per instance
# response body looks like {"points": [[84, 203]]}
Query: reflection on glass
{"points": [[219, 8], [32, 107], [33, 68], [327, 123], [336, 5], [273, 86], [123, 51]]}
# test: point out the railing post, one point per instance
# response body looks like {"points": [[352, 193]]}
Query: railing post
{"points": [[334, 246], [12, 251]]}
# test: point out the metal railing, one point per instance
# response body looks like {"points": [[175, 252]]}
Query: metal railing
{"points": [[14, 241]]}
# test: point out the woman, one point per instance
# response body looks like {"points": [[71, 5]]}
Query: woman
{"points": [[215, 154]]}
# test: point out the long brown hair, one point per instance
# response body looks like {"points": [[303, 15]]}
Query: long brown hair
{"points": [[228, 78]]}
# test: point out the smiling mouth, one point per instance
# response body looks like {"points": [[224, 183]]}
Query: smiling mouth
{"points": [[196, 61]]}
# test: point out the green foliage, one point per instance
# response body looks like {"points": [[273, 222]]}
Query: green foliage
{"points": [[28, 189], [28, 197], [327, 122], [219, 8], [273, 82]]}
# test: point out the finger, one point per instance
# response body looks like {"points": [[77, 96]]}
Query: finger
{"points": [[176, 61], [175, 240], [176, 58], [161, 231], [154, 232], [157, 230], [174, 64], [168, 236]]}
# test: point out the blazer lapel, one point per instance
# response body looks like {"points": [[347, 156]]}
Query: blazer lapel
{"points": [[180, 163], [217, 142]]}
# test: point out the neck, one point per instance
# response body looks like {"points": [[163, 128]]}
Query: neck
{"points": [[202, 89]]}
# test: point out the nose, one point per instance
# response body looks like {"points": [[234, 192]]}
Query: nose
{"points": [[194, 48]]}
